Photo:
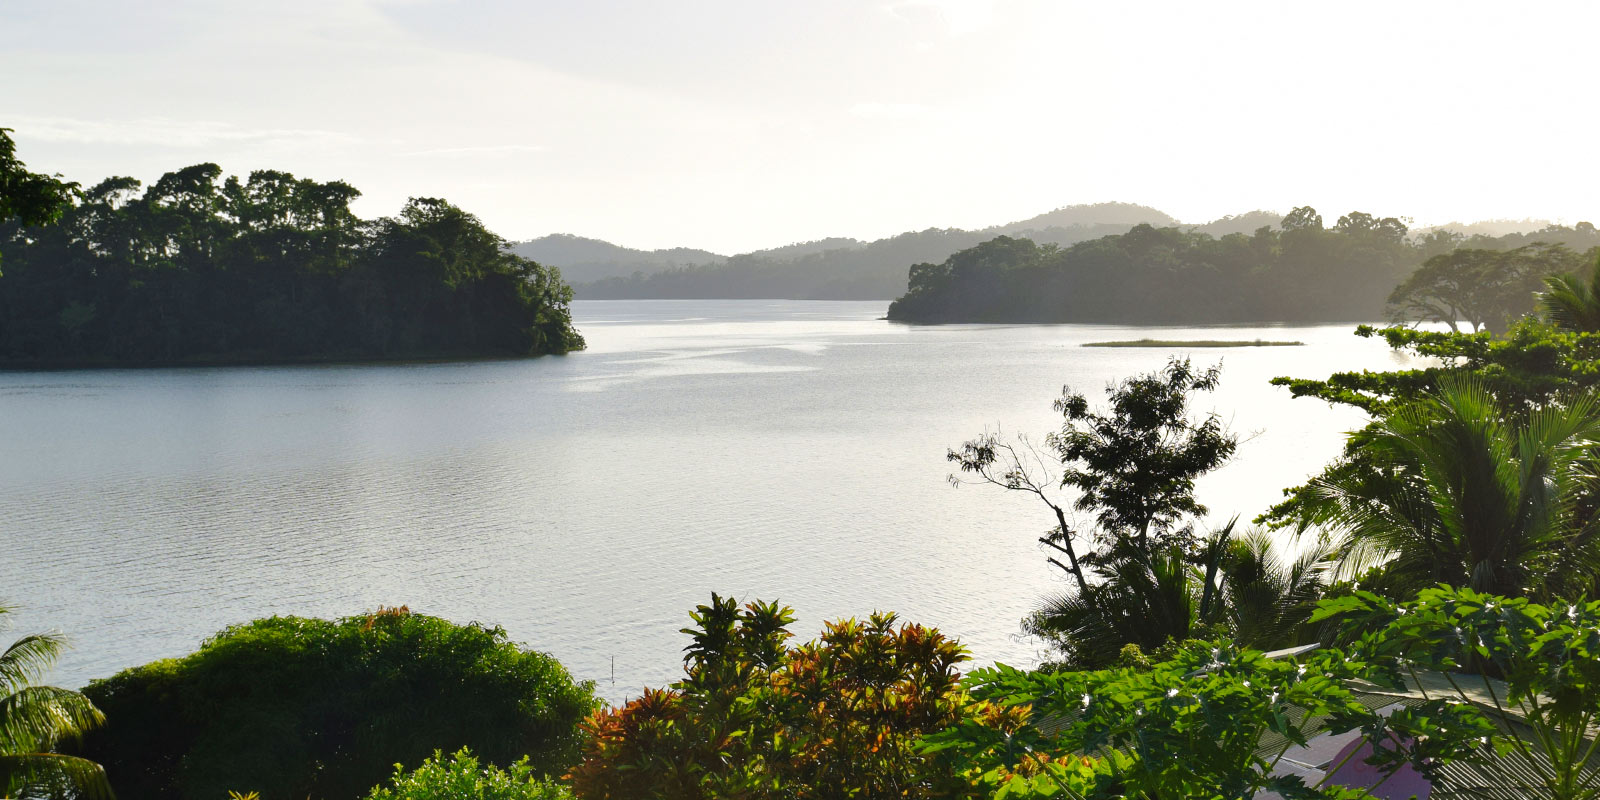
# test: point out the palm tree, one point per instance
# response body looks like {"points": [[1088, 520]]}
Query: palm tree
{"points": [[1573, 303], [1470, 499], [1267, 597], [34, 718], [1243, 586], [1145, 601]]}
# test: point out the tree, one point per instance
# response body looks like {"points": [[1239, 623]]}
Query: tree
{"points": [[1266, 597], [292, 707], [1487, 288], [1133, 467], [1532, 365], [757, 719], [34, 719], [198, 267], [1461, 496], [1302, 218], [1242, 586], [1148, 603], [32, 198], [1572, 303]]}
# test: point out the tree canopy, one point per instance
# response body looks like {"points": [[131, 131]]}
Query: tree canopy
{"points": [[31, 197], [291, 708], [201, 268], [1489, 289], [1299, 271]]}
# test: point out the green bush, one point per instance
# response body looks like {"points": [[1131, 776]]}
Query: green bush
{"points": [[461, 778], [299, 708]]}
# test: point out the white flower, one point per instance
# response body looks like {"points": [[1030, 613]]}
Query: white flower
{"points": [[1172, 692]]}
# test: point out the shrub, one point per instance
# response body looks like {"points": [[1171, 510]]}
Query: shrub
{"points": [[754, 718], [296, 708], [462, 778]]}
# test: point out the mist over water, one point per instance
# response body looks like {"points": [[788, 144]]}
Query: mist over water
{"points": [[774, 449]]}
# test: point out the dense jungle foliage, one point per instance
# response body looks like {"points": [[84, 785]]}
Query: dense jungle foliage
{"points": [[1300, 271], [196, 268]]}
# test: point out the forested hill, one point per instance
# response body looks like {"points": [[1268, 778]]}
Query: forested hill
{"points": [[831, 268], [1298, 271], [582, 259], [200, 269]]}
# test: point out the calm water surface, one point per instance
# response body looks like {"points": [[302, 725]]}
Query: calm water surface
{"points": [[786, 450]]}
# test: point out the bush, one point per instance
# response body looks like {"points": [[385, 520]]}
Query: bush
{"points": [[461, 778], [755, 719], [299, 708]]}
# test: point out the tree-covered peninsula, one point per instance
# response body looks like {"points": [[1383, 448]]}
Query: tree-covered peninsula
{"points": [[1299, 271], [199, 268]]}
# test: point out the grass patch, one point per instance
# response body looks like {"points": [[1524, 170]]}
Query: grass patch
{"points": [[1194, 343]]}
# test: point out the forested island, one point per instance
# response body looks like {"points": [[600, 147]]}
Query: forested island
{"points": [[1361, 268], [202, 268]]}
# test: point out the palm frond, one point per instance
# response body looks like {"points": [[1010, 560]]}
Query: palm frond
{"points": [[36, 717], [1571, 302], [53, 776], [28, 658]]}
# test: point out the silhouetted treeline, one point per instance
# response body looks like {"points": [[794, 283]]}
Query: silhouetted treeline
{"points": [[827, 269], [273, 268], [1300, 271]]}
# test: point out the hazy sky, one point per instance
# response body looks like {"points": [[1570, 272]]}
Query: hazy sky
{"points": [[738, 124]]}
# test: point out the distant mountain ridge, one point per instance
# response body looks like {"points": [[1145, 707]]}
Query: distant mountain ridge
{"points": [[594, 259], [842, 268]]}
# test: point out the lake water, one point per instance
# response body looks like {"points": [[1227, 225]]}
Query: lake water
{"points": [[771, 449]]}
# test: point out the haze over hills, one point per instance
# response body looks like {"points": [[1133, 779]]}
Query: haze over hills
{"points": [[842, 268]]}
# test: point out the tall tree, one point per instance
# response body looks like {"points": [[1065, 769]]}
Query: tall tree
{"points": [[1133, 468], [1486, 288], [31, 197], [1135, 464]]}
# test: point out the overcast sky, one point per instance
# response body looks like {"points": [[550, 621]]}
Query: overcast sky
{"points": [[739, 124]]}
